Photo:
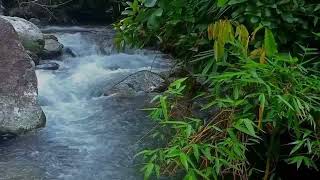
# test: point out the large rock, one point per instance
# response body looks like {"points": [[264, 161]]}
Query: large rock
{"points": [[30, 10], [35, 21], [23, 11], [68, 52], [29, 34], [52, 47], [139, 82], [35, 11], [19, 109]]}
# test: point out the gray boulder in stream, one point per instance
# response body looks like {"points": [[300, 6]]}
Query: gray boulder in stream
{"points": [[140, 82], [19, 109], [52, 47], [30, 35]]}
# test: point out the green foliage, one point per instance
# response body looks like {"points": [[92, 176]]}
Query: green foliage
{"points": [[290, 20], [265, 83], [288, 99], [270, 43], [180, 25], [173, 23], [189, 149]]}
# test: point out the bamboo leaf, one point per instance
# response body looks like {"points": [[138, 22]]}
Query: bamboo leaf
{"points": [[270, 44], [296, 147], [164, 108], [285, 102], [157, 169], [218, 50], [190, 175], [176, 123], [184, 160], [263, 57], [243, 37], [249, 124], [188, 130], [208, 67], [222, 2], [246, 126], [148, 170], [196, 153]]}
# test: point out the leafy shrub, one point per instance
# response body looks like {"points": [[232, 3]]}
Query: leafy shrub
{"points": [[181, 24], [174, 23], [260, 101], [291, 20], [259, 70]]}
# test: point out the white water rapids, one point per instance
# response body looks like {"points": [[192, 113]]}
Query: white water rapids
{"points": [[87, 136]]}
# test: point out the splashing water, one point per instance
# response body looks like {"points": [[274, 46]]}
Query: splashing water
{"points": [[87, 136]]}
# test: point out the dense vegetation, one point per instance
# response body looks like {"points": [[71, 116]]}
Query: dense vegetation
{"points": [[255, 64]]}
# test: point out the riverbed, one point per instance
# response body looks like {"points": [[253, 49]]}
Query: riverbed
{"points": [[88, 135]]}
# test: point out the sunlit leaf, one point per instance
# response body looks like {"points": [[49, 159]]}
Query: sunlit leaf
{"points": [[164, 108], [190, 175], [158, 12], [184, 160], [148, 170], [222, 2], [196, 153], [270, 44], [150, 3], [296, 147]]}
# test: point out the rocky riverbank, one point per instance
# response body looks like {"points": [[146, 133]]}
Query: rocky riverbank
{"points": [[87, 135], [28, 43], [19, 108]]}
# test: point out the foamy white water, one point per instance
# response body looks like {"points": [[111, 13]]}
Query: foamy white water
{"points": [[87, 136]]}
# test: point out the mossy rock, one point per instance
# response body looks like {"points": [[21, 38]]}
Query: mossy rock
{"points": [[29, 34], [33, 46]]}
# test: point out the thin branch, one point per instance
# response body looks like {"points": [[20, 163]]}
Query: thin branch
{"points": [[45, 5]]}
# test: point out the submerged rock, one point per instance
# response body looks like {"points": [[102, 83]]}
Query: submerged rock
{"points": [[7, 136], [68, 52], [104, 40], [48, 66], [19, 109], [35, 58], [139, 82], [29, 34], [35, 21], [52, 47]]}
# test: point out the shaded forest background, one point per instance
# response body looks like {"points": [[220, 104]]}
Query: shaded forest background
{"points": [[65, 11]]}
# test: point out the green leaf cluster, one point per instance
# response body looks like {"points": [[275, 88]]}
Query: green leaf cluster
{"points": [[260, 69]]}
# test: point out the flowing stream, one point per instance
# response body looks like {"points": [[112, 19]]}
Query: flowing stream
{"points": [[88, 136]]}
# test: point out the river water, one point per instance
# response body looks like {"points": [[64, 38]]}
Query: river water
{"points": [[87, 136]]}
